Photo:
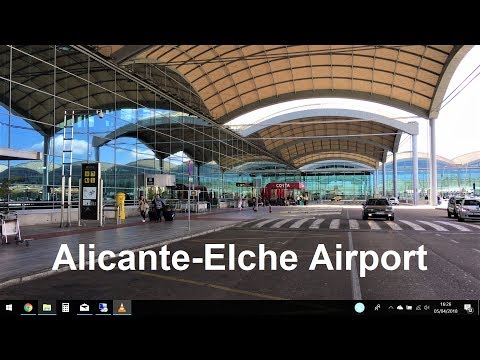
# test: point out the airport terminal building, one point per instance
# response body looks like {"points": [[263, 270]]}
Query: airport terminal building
{"points": [[61, 106]]}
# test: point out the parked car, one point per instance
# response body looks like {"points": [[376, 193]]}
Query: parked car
{"points": [[453, 204], [394, 201], [378, 208], [336, 198], [469, 209]]}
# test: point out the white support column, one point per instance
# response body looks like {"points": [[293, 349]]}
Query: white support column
{"points": [[372, 184], [433, 165], [384, 176], [395, 193], [415, 169], [376, 181], [46, 143], [223, 184]]}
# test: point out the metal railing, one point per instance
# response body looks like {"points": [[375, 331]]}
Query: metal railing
{"points": [[115, 208], [34, 205], [44, 204], [195, 206]]}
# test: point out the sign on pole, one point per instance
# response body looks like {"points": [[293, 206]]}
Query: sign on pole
{"points": [[244, 184], [90, 195]]}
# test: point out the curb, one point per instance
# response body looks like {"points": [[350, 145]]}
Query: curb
{"points": [[47, 273]]}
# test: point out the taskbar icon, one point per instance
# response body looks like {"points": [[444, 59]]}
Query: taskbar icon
{"points": [[122, 307]]}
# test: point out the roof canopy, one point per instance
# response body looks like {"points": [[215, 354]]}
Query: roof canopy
{"points": [[234, 79]]}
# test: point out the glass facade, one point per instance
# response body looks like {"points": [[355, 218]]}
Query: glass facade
{"points": [[44, 88], [452, 178], [327, 179]]}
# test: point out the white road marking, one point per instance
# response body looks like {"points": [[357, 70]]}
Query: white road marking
{"points": [[393, 225], [247, 222], [413, 225], [280, 223], [354, 225], [316, 224], [298, 213], [373, 225], [356, 291], [435, 226], [456, 226], [475, 226], [335, 224], [476, 250], [299, 223], [261, 223], [455, 242]]}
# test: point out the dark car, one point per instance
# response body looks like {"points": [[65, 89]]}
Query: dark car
{"points": [[378, 208]]}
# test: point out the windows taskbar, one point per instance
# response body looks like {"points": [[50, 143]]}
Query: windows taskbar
{"points": [[119, 309]]}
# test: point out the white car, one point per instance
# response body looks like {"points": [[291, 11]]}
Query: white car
{"points": [[469, 209], [394, 201]]}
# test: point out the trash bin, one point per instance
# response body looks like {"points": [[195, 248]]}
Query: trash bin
{"points": [[120, 200]]}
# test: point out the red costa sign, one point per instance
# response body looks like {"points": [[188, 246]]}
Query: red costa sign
{"points": [[289, 185]]}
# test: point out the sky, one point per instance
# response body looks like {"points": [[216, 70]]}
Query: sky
{"points": [[458, 124]]}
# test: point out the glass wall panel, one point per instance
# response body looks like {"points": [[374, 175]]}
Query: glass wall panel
{"points": [[32, 72], [4, 129], [5, 62], [69, 60]]}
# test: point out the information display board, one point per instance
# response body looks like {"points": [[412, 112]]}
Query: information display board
{"points": [[89, 200]]}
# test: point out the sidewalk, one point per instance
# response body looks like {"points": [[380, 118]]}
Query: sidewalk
{"points": [[18, 261]]}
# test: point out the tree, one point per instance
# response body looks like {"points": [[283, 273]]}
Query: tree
{"points": [[6, 191], [150, 193]]}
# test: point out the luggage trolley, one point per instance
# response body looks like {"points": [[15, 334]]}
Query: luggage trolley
{"points": [[10, 227]]}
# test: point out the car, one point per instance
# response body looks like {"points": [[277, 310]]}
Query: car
{"points": [[336, 198], [394, 201], [378, 208], [469, 209], [453, 204]]}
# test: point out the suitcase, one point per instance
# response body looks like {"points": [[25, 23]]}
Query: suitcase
{"points": [[152, 215], [169, 215]]}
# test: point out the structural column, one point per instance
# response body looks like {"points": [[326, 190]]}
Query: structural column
{"points": [[198, 173], [395, 193], [223, 189], [433, 165], [415, 169], [96, 150], [384, 184], [46, 146], [376, 181]]}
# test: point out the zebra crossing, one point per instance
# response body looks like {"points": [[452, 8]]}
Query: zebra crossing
{"points": [[311, 223]]}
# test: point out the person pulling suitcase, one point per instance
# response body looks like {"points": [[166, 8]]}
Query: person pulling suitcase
{"points": [[159, 204]]}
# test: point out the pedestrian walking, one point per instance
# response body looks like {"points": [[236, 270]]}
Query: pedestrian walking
{"points": [[143, 207]]}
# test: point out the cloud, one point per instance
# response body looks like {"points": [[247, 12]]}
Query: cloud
{"points": [[141, 154], [79, 147]]}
